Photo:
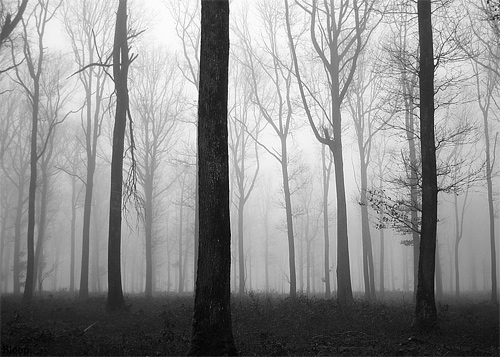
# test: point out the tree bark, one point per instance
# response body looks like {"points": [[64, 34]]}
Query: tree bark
{"points": [[212, 331], [326, 188], [425, 310], [121, 64]]}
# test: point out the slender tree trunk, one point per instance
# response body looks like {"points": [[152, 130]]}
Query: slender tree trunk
{"points": [[42, 224], [425, 311], [72, 238], [439, 274], [241, 257], [121, 64], [212, 330], [368, 268], [87, 207], [289, 219], [326, 188], [30, 267], [181, 216], [17, 235], [148, 228]]}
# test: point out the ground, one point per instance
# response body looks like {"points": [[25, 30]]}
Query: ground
{"points": [[263, 324]]}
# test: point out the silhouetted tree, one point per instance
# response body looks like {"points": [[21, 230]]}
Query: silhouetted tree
{"points": [[425, 310], [212, 331], [121, 63]]}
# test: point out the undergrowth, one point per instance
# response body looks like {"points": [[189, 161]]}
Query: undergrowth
{"points": [[263, 324]]}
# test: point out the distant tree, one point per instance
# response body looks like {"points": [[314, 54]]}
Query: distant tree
{"points": [[157, 100], [15, 166], [487, 85], [87, 25], [187, 28], [338, 35], [212, 331], [243, 147], [121, 63], [364, 105], [271, 83], [34, 55]]}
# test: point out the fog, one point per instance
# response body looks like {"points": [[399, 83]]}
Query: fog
{"points": [[268, 132]]}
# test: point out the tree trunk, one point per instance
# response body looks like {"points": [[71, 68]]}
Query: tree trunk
{"points": [[121, 64], [326, 188], [30, 267], [368, 269], [241, 256], [212, 331], [289, 219], [42, 225], [17, 234], [73, 228], [181, 216], [344, 287], [425, 311], [148, 230], [87, 207]]}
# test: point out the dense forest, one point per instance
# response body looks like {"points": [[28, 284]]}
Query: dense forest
{"points": [[242, 159]]}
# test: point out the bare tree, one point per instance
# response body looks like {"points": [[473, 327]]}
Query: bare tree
{"points": [[364, 106], [486, 86], [339, 32], [121, 63], [271, 80], [241, 145], [34, 54], [87, 25], [157, 100]]}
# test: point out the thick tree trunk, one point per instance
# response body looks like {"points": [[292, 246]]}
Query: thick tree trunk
{"points": [[121, 64], [425, 311], [212, 331]]}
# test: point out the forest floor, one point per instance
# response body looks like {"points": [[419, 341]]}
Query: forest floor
{"points": [[263, 324]]}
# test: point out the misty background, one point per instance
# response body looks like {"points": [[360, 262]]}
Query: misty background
{"points": [[268, 131]]}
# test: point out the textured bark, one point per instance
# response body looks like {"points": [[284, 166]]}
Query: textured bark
{"points": [[121, 64], [212, 330], [425, 311]]}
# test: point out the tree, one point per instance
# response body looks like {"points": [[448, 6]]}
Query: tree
{"points": [[241, 143], [364, 106], [485, 100], [271, 80], [87, 26], [187, 29], [339, 33], [17, 155], [121, 63], [212, 331], [425, 309], [34, 55], [157, 100]]}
